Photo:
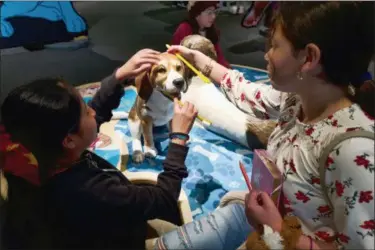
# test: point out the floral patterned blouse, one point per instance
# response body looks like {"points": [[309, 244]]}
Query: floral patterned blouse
{"points": [[297, 147]]}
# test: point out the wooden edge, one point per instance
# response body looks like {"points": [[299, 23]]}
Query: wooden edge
{"points": [[108, 129], [151, 178]]}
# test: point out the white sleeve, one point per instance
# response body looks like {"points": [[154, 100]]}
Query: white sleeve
{"points": [[259, 99]]}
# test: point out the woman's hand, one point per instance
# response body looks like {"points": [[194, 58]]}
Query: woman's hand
{"points": [[183, 119], [138, 63], [187, 53], [261, 210], [201, 61]]}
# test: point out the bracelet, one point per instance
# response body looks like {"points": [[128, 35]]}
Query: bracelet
{"points": [[207, 69], [181, 136], [311, 242]]}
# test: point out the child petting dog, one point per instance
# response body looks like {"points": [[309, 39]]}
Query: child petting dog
{"points": [[58, 194]]}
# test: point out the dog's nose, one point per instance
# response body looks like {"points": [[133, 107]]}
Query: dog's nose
{"points": [[178, 83]]}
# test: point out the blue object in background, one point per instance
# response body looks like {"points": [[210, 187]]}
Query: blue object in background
{"points": [[39, 22], [252, 74]]}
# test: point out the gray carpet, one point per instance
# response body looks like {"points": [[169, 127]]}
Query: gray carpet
{"points": [[76, 67]]}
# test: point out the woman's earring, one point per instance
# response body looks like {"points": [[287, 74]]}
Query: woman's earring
{"points": [[299, 75], [351, 90]]}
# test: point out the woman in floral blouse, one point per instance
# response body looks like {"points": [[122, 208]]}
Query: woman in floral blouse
{"points": [[319, 53]]}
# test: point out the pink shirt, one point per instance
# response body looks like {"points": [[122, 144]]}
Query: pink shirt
{"points": [[184, 30]]}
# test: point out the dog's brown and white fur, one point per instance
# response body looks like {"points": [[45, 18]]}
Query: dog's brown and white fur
{"points": [[153, 106]]}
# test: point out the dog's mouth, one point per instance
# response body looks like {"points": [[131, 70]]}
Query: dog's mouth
{"points": [[174, 88], [171, 96]]}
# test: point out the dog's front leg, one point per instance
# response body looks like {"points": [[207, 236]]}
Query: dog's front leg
{"points": [[135, 128], [149, 147]]}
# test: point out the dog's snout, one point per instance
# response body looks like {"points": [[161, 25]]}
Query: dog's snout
{"points": [[178, 83]]}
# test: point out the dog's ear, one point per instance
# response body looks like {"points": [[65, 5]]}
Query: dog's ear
{"points": [[188, 73], [143, 85]]}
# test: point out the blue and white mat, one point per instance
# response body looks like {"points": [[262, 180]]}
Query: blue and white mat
{"points": [[212, 160]]}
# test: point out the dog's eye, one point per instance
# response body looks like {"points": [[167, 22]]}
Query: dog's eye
{"points": [[178, 68], [162, 70]]}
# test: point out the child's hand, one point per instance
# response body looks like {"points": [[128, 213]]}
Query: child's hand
{"points": [[138, 63], [187, 53], [261, 210], [183, 118]]}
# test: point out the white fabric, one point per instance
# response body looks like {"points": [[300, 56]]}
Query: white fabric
{"points": [[272, 239]]}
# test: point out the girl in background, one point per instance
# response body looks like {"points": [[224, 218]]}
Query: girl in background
{"points": [[201, 21]]}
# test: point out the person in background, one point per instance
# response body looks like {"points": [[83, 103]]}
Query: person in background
{"points": [[318, 61], [201, 20], [62, 196], [181, 4], [237, 8]]}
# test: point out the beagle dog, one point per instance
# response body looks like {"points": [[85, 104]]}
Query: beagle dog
{"points": [[154, 105]]}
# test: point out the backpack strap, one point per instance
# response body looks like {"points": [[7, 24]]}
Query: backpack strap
{"points": [[328, 149]]}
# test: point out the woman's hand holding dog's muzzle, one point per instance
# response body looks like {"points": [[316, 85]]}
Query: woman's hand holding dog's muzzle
{"points": [[183, 119], [138, 63]]}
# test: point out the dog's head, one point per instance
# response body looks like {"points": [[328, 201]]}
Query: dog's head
{"points": [[168, 76]]}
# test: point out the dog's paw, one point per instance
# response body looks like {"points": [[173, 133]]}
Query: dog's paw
{"points": [[150, 152], [138, 157]]}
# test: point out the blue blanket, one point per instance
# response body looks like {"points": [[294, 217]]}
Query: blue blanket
{"points": [[212, 160]]}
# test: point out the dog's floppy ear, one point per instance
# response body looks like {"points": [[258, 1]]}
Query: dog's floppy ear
{"points": [[188, 73], [143, 85]]}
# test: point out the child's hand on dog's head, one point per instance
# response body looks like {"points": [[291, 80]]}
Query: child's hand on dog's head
{"points": [[184, 117], [141, 61]]}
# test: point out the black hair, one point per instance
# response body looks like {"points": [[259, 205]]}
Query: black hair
{"points": [[343, 31], [39, 115]]}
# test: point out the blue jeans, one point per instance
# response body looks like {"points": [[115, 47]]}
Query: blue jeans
{"points": [[226, 228]]}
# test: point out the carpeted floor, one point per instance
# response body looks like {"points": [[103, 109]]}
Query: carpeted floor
{"points": [[76, 67]]}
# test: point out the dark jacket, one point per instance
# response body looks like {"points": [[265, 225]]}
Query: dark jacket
{"points": [[92, 204]]}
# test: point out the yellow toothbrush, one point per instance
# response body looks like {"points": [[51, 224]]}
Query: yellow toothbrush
{"points": [[198, 73], [181, 104]]}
